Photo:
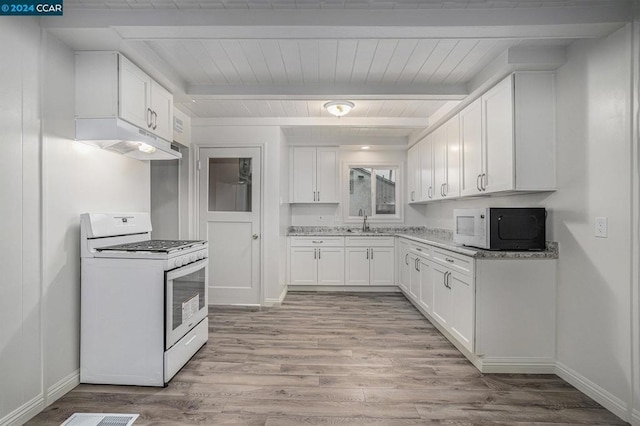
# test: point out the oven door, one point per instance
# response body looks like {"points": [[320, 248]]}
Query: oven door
{"points": [[186, 300]]}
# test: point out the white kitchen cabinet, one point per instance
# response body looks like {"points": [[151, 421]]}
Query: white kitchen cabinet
{"points": [[370, 261], [413, 173], [404, 268], [426, 279], [426, 168], [314, 175], [316, 261], [108, 85], [446, 160], [508, 137]]}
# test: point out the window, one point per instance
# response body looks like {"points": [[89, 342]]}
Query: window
{"points": [[374, 192]]}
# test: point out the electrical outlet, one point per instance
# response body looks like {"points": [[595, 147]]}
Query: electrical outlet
{"points": [[601, 227]]}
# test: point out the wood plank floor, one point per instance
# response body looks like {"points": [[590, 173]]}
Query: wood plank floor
{"points": [[335, 359]]}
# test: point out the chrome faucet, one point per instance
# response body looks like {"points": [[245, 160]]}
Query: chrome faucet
{"points": [[365, 225]]}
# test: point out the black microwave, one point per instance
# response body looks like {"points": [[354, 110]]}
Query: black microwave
{"points": [[501, 228]]}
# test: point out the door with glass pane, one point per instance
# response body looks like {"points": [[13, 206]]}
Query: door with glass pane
{"points": [[229, 217]]}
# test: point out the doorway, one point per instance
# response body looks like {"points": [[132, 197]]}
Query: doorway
{"points": [[230, 219]]}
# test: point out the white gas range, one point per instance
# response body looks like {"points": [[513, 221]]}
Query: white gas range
{"points": [[143, 301]]}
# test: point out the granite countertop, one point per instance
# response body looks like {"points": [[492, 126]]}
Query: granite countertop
{"points": [[442, 238]]}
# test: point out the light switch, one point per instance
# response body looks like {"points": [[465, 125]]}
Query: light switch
{"points": [[601, 229]]}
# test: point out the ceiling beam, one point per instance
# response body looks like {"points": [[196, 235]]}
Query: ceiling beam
{"points": [[332, 91], [546, 22], [388, 122]]}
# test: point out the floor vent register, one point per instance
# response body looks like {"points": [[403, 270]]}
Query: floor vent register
{"points": [[100, 419]]}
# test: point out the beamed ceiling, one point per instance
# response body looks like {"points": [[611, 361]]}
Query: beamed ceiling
{"points": [[404, 63]]}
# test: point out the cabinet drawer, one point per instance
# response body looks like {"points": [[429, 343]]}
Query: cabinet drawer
{"points": [[178, 355], [455, 261], [317, 241], [420, 249], [370, 241]]}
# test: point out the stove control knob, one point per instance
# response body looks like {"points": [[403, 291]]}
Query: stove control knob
{"points": [[178, 263], [201, 255], [193, 258]]}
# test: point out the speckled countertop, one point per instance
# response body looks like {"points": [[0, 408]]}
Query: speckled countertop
{"points": [[437, 237]]}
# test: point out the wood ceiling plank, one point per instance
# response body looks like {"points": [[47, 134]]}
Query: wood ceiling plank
{"points": [[239, 60]]}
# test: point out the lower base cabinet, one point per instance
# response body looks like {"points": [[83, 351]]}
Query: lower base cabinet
{"points": [[370, 261], [499, 312], [317, 266]]}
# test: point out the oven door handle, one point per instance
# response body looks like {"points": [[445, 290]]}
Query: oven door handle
{"points": [[186, 270]]}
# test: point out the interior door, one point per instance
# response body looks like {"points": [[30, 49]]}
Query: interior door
{"points": [[229, 216]]}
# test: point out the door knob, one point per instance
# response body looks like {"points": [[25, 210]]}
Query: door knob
{"points": [[255, 236]]}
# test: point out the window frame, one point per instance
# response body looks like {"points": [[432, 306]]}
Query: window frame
{"points": [[398, 217]]}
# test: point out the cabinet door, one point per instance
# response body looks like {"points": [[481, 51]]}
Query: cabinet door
{"points": [[357, 266], [414, 277], [439, 162], [382, 265], [426, 169], [327, 175], [135, 94], [162, 107], [497, 111], [303, 265], [426, 285], [331, 266], [461, 321], [413, 173], [452, 188], [303, 174], [404, 264], [441, 295], [471, 148]]}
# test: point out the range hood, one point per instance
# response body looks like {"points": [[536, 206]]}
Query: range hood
{"points": [[114, 134]]}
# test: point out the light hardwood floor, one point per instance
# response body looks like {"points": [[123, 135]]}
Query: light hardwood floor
{"points": [[335, 359]]}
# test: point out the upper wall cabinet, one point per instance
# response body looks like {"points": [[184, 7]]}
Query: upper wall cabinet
{"points": [[413, 173], [314, 175], [109, 85], [508, 137]]}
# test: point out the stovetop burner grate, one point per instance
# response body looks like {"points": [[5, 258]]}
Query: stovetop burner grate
{"points": [[155, 246]]}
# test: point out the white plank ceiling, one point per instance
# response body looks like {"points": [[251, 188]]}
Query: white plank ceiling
{"points": [[282, 60]]}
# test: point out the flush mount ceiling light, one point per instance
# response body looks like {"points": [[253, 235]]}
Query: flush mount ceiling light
{"points": [[339, 108], [365, 147]]}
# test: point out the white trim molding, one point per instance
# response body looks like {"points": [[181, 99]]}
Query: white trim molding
{"points": [[599, 394], [62, 387], [277, 302], [518, 365], [24, 413]]}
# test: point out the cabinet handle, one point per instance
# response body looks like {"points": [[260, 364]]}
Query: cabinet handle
{"points": [[367, 254], [429, 192], [412, 194], [482, 180], [319, 254], [315, 256], [449, 260], [478, 182], [445, 189], [314, 195], [149, 117], [316, 242], [406, 259], [318, 195], [418, 265], [155, 120], [371, 254], [418, 248]]}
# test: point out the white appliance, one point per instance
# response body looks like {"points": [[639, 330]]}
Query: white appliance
{"points": [[143, 301], [469, 227]]}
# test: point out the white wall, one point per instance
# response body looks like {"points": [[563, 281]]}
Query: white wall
{"points": [[46, 181], [594, 179], [77, 178], [20, 268], [267, 137], [331, 214]]}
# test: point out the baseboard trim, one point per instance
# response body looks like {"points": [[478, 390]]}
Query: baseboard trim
{"points": [[592, 390], [345, 288], [276, 303], [518, 365], [24, 413], [62, 387]]}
